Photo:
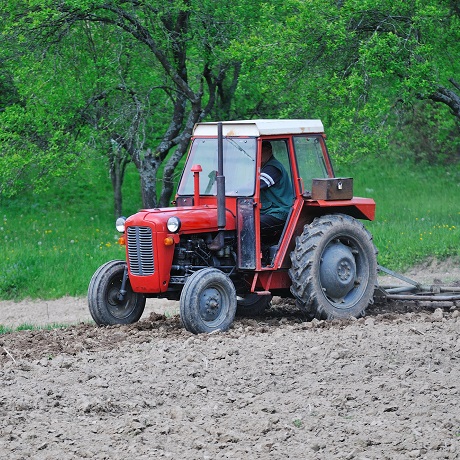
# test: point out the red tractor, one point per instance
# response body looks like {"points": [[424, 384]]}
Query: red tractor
{"points": [[207, 250]]}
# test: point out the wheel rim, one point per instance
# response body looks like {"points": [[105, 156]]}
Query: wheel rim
{"points": [[120, 308], [212, 306], [343, 273]]}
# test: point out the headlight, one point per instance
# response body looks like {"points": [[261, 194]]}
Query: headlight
{"points": [[173, 224], [120, 224]]}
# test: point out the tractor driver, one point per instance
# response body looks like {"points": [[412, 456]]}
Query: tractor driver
{"points": [[275, 193]]}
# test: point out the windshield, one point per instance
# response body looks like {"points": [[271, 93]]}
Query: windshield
{"points": [[239, 167]]}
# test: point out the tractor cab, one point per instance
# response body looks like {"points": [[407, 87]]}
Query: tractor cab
{"points": [[298, 145]]}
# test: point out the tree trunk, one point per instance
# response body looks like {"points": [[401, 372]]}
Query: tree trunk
{"points": [[168, 175], [448, 97], [147, 166], [118, 163], [117, 195]]}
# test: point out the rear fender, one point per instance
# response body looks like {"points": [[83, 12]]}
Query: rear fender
{"points": [[304, 211], [359, 208]]}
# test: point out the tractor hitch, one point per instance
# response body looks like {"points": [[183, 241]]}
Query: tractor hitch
{"points": [[416, 291]]}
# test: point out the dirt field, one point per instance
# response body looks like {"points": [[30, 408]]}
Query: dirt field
{"points": [[381, 387]]}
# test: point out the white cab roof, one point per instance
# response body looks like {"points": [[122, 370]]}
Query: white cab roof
{"points": [[259, 127]]}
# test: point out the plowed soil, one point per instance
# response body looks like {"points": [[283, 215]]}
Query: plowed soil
{"points": [[385, 386]]}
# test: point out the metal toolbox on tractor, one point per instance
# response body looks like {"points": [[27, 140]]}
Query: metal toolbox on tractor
{"points": [[337, 188]]}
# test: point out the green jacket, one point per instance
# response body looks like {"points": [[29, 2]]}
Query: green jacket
{"points": [[276, 200]]}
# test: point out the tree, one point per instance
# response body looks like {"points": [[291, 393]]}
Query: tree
{"points": [[8, 92], [358, 65], [130, 78], [181, 43]]}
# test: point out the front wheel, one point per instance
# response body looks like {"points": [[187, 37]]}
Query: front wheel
{"points": [[106, 305], [334, 268], [208, 302]]}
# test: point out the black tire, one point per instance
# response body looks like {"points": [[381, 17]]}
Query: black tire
{"points": [[103, 302], [253, 305], [334, 268], [208, 302]]}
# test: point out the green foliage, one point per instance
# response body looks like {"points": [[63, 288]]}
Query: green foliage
{"points": [[417, 209], [360, 66], [118, 77], [427, 133], [31, 327], [126, 81], [53, 242], [34, 147], [297, 423], [8, 92]]}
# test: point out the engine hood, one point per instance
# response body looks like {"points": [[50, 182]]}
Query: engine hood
{"points": [[193, 219]]}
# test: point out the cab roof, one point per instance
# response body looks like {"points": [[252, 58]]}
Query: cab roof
{"points": [[264, 127]]}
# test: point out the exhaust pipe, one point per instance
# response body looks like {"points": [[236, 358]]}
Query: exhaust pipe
{"points": [[196, 169], [221, 221], [218, 242]]}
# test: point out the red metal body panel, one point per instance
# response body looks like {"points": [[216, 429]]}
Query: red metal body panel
{"points": [[210, 203], [360, 208], [163, 257], [303, 212], [270, 279], [193, 219]]}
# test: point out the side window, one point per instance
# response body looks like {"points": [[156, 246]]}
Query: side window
{"points": [[310, 159], [280, 152]]}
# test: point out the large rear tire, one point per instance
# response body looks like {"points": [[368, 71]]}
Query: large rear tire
{"points": [[334, 268], [208, 302], [104, 301]]}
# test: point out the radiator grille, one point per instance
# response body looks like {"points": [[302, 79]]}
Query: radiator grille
{"points": [[140, 251]]}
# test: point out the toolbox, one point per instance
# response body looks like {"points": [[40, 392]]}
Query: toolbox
{"points": [[336, 188]]}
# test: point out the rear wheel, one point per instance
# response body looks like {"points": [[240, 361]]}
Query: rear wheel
{"points": [[208, 302], [105, 303], [253, 304], [334, 268]]}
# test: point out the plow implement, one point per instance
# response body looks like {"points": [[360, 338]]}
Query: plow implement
{"points": [[435, 295]]}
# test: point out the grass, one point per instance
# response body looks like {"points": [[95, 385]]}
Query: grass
{"points": [[417, 213], [31, 327], [52, 243]]}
